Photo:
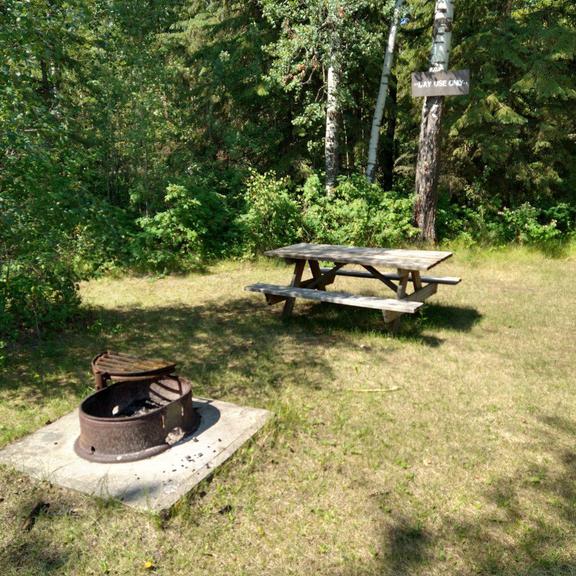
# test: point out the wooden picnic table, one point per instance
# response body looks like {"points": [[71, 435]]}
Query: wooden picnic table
{"points": [[409, 264]]}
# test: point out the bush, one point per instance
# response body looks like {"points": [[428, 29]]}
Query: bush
{"points": [[39, 213], [563, 215], [272, 216], [357, 213], [102, 239], [36, 295], [523, 226], [195, 225]]}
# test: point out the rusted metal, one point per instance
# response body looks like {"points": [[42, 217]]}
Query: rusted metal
{"points": [[135, 418], [115, 366]]}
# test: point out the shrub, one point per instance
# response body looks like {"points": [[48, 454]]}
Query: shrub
{"points": [[564, 215], [39, 212], [522, 225], [193, 227], [525, 224], [36, 294], [272, 216], [102, 239], [356, 213]]}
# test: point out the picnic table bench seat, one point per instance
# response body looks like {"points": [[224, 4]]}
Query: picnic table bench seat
{"points": [[374, 302], [448, 280]]}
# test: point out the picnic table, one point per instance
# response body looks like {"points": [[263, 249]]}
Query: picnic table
{"points": [[411, 288]]}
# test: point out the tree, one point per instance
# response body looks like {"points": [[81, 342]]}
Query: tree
{"points": [[332, 97], [323, 58], [382, 93], [510, 141], [429, 144]]}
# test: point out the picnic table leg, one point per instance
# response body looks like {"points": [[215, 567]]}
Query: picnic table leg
{"points": [[296, 280], [392, 319], [402, 284], [416, 283], [316, 273], [416, 280]]}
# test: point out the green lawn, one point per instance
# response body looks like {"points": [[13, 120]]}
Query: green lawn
{"points": [[463, 463]]}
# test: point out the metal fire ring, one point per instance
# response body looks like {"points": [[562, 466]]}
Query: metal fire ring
{"points": [[134, 419]]}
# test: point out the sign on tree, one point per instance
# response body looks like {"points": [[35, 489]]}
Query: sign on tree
{"points": [[456, 83]]}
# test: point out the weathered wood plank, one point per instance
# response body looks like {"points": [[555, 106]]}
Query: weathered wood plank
{"points": [[391, 317], [309, 283], [402, 284], [325, 278], [320, 280], [449, 280], [422, 294], [416, 279], [403, 276], [395, 258], [373, 302], [271, 299]]}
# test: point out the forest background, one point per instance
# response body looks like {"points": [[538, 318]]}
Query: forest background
{"points": [[156, 135]]}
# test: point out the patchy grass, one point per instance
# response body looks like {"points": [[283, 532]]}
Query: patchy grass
{"points": [[464, 462]]}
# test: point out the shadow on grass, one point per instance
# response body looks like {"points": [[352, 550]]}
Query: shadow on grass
{"points": [[526, 526], [27, 547], [32, 555], [232, 347], [407, 545], [456, 318], [332, 318]]}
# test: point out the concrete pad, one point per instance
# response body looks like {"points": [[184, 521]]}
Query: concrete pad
{"points": [[153, 484]]}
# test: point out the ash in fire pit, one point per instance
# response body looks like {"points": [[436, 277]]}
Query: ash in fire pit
{"points": [[135, 419], [136, 408]]}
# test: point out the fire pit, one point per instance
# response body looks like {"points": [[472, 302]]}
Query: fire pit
{"points": [[136, 417], [111, 366]]}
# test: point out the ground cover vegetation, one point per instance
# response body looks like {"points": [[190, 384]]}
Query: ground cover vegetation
{"points": [[158, 136], [447, 450]]}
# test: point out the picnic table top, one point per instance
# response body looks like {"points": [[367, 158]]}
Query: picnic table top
{"points": [[391, 257]]}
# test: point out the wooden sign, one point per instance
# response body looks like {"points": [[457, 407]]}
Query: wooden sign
{"points": [[456, 83]]}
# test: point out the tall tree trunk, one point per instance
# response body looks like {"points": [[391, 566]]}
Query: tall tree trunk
{"points": [[388, 154], [331, 144], [382, 93], [427, 166], [332, 113]]}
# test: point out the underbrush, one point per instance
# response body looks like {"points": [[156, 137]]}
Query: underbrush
{"points": [[209, 216]]}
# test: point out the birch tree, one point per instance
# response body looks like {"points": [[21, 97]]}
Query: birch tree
{"points": [[310, 46], [382, 94], [319, 58], [429, 144], [332, 100]]}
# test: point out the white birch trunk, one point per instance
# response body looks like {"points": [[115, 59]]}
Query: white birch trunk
{"points": [[382, 93], [331, 138], [432, 110], [332, 108]]}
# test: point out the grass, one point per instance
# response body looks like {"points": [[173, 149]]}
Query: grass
{"points": [[463, 464]]}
